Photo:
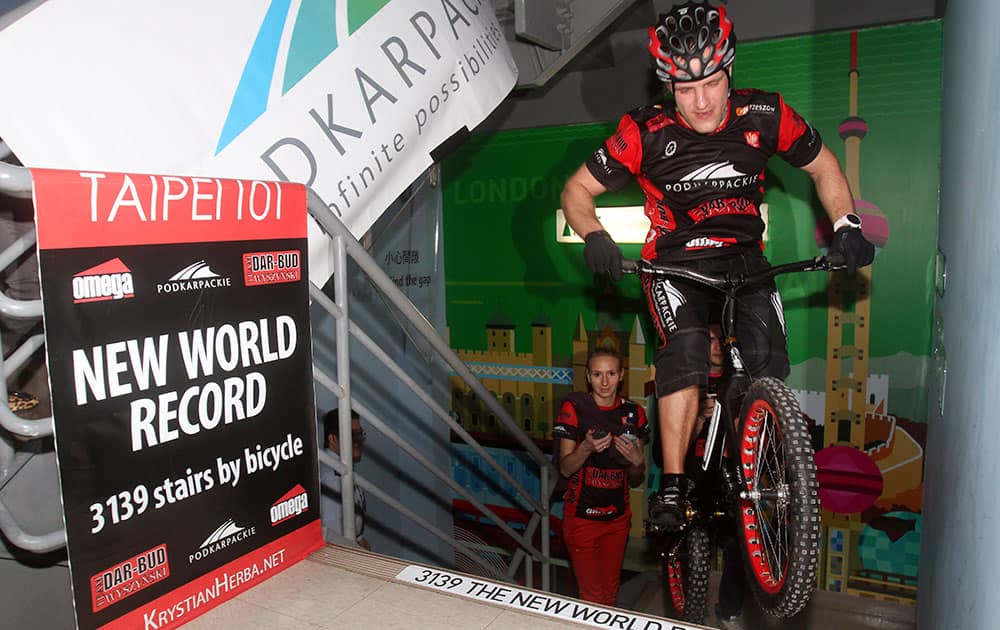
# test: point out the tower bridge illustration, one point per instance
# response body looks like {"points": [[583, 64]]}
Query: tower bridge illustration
{"points": [[530, 384]]}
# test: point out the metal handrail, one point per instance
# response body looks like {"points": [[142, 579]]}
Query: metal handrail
{"points": [[341, 469], [346, 245], [320, 297], [15, 181], [333, 226], [29, 542], [373, 489]]}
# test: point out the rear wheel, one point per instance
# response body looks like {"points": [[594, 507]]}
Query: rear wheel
{"points": [[779, 508], [686, 571]]}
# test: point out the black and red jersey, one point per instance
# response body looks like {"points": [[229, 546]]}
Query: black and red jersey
{"points": [[703, 191], [598, 491]]}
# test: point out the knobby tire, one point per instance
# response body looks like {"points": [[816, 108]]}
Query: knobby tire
{"points": [[686, 573], [780, 527]]}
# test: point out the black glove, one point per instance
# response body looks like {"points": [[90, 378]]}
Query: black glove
{"points": [[851, 244], [603, 255]]}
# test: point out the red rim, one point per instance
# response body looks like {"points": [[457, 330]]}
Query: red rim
{"points": [[675, 579], [765, 518]]}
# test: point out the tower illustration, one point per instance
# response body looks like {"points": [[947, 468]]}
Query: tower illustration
{"points": [[849, 304]]}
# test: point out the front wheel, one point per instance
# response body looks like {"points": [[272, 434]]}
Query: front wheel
{"points": [[779, 507], [686, 570]]}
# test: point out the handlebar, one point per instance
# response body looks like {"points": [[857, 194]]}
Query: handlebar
{"points": [[733, 282]]}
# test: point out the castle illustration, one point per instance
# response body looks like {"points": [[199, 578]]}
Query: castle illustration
{"points": [[529, 385]]}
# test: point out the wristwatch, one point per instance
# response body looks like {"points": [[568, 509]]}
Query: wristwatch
{"points": [[848, 220]]}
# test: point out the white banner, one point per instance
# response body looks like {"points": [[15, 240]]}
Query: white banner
{"points": [[536, 602], [347, 96]]}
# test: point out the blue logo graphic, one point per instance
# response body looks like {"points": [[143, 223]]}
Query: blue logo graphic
{"points": [[314, 37]]}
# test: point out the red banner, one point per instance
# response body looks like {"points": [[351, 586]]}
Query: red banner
{"points": [[197, 597], [102, 209]]}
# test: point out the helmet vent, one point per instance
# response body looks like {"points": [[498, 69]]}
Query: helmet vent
{"points": [[692, 41]]}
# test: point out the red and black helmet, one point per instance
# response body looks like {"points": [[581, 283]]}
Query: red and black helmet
{"points": [[692, 42]]}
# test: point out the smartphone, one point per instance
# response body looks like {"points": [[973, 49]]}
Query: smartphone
{"points": [[599, 433]]}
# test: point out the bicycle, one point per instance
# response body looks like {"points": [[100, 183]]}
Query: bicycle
{"points": [[757, 474]]}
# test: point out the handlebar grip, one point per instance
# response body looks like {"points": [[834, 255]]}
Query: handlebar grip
{"points": [[630, 266], [835, 261]]}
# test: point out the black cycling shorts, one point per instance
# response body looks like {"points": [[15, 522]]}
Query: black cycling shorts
{"points": [[682, 311]]}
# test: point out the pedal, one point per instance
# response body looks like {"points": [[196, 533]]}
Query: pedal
{"points": [[689, 513]]}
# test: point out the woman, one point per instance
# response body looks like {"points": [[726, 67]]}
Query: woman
{"points": [[599, 436]]}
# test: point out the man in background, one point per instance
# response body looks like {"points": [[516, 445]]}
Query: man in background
{"points": [[330, 484]]}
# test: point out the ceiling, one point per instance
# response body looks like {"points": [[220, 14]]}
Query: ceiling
{"points": [[545, 36]]}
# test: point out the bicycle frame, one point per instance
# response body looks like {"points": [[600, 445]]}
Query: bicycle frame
{"points": [[735, 379], [729, 485]]}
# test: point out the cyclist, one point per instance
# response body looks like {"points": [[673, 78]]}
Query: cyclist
{"points": [[699, 158]]}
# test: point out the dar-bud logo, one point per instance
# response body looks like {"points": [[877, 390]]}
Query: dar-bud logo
{"points": [[292, 503], [110, 280]]}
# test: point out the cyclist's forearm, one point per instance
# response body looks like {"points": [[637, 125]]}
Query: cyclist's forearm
{"points": [[835, 195], [580, 211], [832, 187], [578, 205]]}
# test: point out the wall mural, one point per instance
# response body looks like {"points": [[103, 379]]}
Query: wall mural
{"points": [[523, 310]]}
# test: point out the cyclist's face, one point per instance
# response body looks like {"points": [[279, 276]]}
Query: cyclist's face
{"points": [[703, 103], [604, 375]]}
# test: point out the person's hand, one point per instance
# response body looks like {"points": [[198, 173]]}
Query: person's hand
{"points": [[597, 444], [631, 450], [850, 243], [603, 255]]}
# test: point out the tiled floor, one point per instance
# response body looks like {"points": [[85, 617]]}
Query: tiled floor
{"points": [[826, 610], [346, 589]]}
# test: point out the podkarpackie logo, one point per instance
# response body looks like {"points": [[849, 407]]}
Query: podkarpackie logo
{"points": [[316, 29], [110, 280], [291, 504], [224, 535], [195, 277]]}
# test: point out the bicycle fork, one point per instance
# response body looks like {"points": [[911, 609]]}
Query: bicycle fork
{"points": [[724, 418]]}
